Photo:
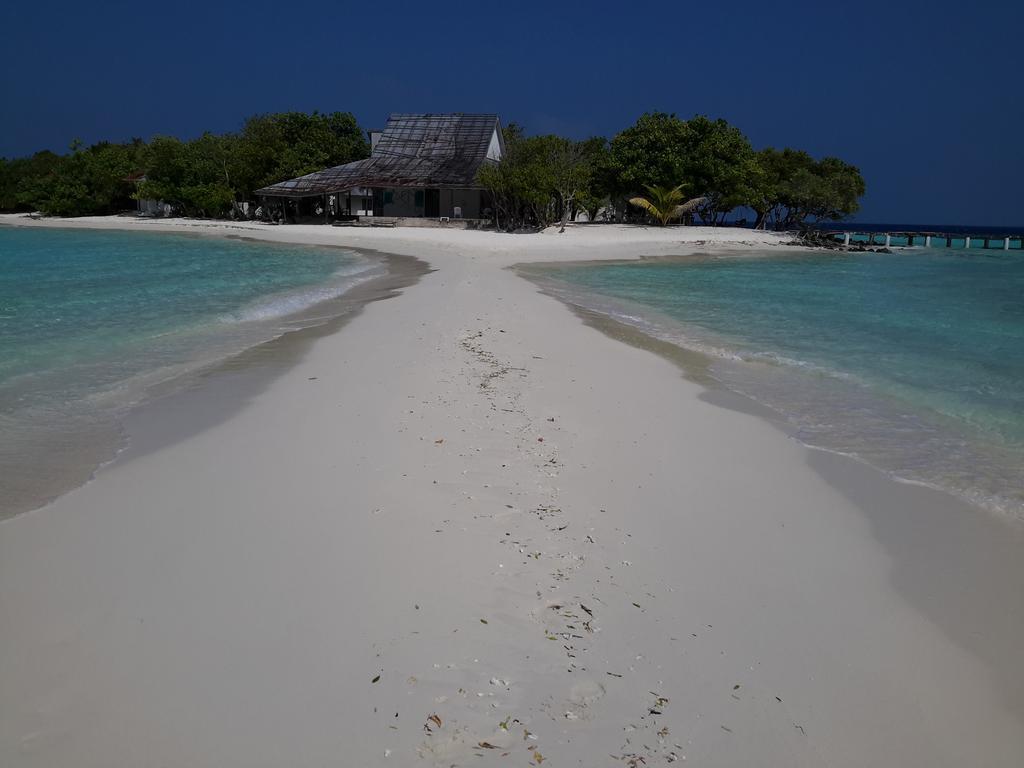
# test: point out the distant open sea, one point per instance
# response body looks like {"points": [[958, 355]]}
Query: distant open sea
{"points": [[91, 322], [911, 361], [958, 229]]}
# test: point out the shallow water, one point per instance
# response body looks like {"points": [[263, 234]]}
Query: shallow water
{"points": [[92, 322], [912, 361]]}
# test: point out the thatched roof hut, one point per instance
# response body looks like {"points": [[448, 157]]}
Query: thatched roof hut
{"points": [[419, 165]]}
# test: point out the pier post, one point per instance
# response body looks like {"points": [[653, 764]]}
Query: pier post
{"points": [[910, 241], [984, 243], [846, 239], [927, 241], [1006, 244], [888, 239], [967, 242], [949, 241]]}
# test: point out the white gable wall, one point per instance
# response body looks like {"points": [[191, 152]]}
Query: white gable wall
{"points": [[494, 149]]}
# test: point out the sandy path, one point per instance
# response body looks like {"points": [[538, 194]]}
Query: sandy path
{"points": [[467, 505]]}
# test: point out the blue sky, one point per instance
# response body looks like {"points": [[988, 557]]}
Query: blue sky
{"points": [[924, 97]]}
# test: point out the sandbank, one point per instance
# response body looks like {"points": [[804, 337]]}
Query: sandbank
{"points": [[468, 528]]}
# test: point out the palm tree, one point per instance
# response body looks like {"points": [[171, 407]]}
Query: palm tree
{"points": [[665, 204]]}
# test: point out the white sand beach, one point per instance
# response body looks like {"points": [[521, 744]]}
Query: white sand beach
{"points": [[469, 529]]}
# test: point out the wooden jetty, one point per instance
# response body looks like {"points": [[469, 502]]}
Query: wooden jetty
{"points": [[994, 241]]}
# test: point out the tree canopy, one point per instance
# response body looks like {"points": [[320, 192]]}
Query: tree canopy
{"points": [[708, 158], [541, 180], [544, 179], [793, 187], [83, 182], [289, 144], [206, 176]]}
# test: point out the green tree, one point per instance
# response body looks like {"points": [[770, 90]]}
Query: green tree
{"points": [[665, 204], [84, 182], [282, 146], [542, 179], [207, 176], [106, 171], [793, 187], [595, 194], [522, 184], [714, 159], [195, 177], [766, 197], [720, 166], [21, 180], [577, 167], [650, 153], [840, 187]]}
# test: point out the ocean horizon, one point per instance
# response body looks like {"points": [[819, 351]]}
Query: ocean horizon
{"points": [[960, 229]]}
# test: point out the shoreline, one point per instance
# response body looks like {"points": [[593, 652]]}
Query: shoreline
{"points": [[125, 431], [992, 541], [698, 355], [98, 440], [600, 241], [215, 393], [469, 504]]}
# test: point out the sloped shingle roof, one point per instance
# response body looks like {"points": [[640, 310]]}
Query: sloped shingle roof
{"points": [[413, 151]]}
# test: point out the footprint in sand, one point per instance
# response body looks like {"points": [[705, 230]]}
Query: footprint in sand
{"points": [[582, 696]]}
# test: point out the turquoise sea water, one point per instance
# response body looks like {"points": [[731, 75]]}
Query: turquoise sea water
{"points": [[912, 361], [91, 321]]}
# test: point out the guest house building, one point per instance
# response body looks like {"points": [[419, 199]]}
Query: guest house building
{"points": [[421, 166]]}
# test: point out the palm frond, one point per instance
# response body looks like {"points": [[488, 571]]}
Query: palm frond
{"points": [[689, 206], [665, 203], [647, 205]]}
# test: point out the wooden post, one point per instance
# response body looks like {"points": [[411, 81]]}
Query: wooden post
{"points": [[984, 243], [1006, 244], [888, 240], [910, 240], [846, 239], [927, 241], [967, 241], [949, 241]]}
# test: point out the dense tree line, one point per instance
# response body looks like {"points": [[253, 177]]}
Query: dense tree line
{"points": [[207, 176], [544, 179], [85, 181]]}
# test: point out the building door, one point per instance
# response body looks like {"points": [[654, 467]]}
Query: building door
{"points": [[378, 202], [432, 203]]}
